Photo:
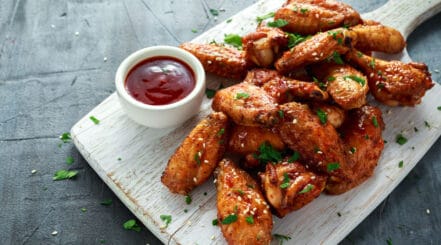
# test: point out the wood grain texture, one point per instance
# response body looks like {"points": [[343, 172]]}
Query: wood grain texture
{"points": [[135, 179]]}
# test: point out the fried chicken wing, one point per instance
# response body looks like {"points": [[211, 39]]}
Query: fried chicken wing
{"points": [[322, 46], [393, 82], [243, 214], [318, 143], [197, 157], [220, 60], [347, 86], [312, 16], [334, 114], [247, 104], [264, 46], [378, 38], [363, 142], [290, 186], [246, 140]]}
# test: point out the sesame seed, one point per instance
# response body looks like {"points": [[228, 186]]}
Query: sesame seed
{"points": [[201, 139], [77, 33], [54, 233], [372, 74], [239, 198], [314, 54], [265, 212], [209, 62], [212, 237], [436, 71], [105, 59], [218, 58], [33, 171], [206, 161], [319, 152], [195, 179], [242, 145], [214, 181], [317, 16], [428, 211], [52, 26], [294, 121], [313, 177]]}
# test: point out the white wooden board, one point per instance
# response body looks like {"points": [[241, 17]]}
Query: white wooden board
{"points": [[130, 158]]}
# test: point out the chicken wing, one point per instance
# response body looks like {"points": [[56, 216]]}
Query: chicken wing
{"points": [[363, 142], [312, 16], [220, 60], [317, 141], [243, 214], [394, 82], [325, 45], [334, 114], [347, 86], [247, 104], [290, 186], [264, 46], [378, 38], [197, 157]]}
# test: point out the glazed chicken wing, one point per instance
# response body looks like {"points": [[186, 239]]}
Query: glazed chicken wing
{"points": [[322, 46], [312, 16], [290, 186], [394, 82], [318, 142], [378, 38], [363, 143], [243, 214], [246, 104], [197, 157], [264, 46], [220, 60], [347, 86]]}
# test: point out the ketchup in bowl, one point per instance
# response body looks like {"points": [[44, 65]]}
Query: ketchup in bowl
{"points": [[160, 80]]}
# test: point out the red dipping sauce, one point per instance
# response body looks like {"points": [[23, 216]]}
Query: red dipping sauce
{"points": [[160, 80]]}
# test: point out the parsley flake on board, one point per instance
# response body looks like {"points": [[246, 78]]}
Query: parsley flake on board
{"points": [[132, 225], [426, 123], [356, 79], [268, 154], [69, 160], [233, 40], [242, 96], [106, 202], [307, 189], [210, 93], [439, 108], [281, 238], [214, 12], [215, 222], [83, 210], [250, 219], [277, 23], [229, 219], [194, 30], [94, 120], [400, 139], [389, 241], [322, 116], [333, 166], [401, 164], [166, 218], [64, 174], [188, 199], [259, 19], [285, 183], [65, 137]]}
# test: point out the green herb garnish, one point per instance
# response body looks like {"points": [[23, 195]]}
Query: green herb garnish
{"points": [[132, 225], [281, 238], [375, 121], [94, 120], [69, 160], [259, 19], [295, 156], [268, 154], [389, 241], [439, 108], [426, 123], [285, 183], [166, 218], [400, 139], [233, 40], [65, 137], [214, 12], [250, 219], [356, 79], [229, 219], [307, 189], [372, 63], [400, 164], [278, 23], [83, 210], [333, 166], [197, 157], [294, 39], [242, 96], [215, 222], [353, 150], [331, 78], [322, 116], [221, 132], [106, 202], [194, 30], [188, 199], [336, 58], [281, 114], [64, 174]]}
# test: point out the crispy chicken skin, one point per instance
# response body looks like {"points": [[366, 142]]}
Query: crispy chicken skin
{"points": [[363, 143], [394, 83], [378, 38], [347, 86], [239, 196], [319, 144], [334, 114], [245, 140], [290, 186], [246, 104], [263, 46], [197, 157], [319, 47], [220, 60], [312, 16]]}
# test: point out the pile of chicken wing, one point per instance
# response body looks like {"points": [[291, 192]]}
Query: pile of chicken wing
{"points": [[298, 124]]}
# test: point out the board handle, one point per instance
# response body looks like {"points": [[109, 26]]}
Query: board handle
{"points": [[405, 15]]}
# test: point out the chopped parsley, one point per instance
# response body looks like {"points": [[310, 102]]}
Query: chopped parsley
{"points": [[233, 40], [65, 137], [372, 63], [64, 174], [278, 23], [188, 199], [307, 189], [194, 30], [229, 20], [221, 132], [426, 123], [268, 154], [400, 139], [210, 93], [333, 166], [294, 39], [94, 120], [132, 225], [83, 210], [239, 191], [322, 116], [295, 156], [185, 210], [166, 218], [281, 238], [336, 58], [401, 164], [214, 12], [356, 79], [229, 219], [339, 214], [389, 241], [353, 150], [439, 108], [331, 78], [415, 129], [197, 158], [303, 11], [69, 160], [375, 121], [249, 220], [215, 222], [242, 96], [281, 114], [259, 19], [359, 54], [285, 183], [106, 202]]}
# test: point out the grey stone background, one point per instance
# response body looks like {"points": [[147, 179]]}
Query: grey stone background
{"points": [[57, 62]]}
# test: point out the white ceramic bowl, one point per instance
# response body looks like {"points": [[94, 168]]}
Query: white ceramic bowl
{"points": [[161, 116]]}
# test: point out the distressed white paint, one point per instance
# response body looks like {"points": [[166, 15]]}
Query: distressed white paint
{"points": [[144, 153]]}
